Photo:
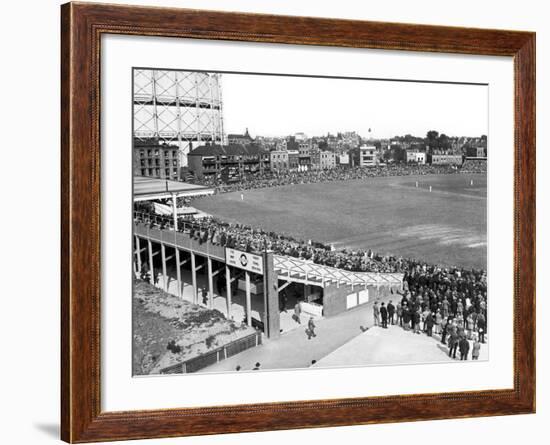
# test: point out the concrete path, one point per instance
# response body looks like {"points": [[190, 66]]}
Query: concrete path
{"points": [[294, 350], [392, 346]]}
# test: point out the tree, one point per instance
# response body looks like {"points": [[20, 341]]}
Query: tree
{"points": [[443, 142], [401, 155], [396, 153], [431, 137]]}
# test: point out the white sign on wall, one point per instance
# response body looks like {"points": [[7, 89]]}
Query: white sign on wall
{"points": [[244, 260]]}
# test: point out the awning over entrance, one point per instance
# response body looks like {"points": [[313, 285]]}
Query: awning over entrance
{"points": [[302, 271]]}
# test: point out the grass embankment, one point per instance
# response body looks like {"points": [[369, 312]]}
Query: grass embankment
{"points": [[168, 330]]}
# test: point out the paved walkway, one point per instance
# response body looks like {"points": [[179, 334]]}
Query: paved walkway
{"points": [[294, 350], [392, 346]]}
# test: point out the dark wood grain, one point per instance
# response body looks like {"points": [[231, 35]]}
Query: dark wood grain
{"points": [[81, 28]]}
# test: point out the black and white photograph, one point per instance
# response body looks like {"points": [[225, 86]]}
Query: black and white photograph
{"points": [[285, 221], [276, 222]]}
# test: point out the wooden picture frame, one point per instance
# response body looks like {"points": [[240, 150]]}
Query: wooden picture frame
{"points": [[82, 26]]}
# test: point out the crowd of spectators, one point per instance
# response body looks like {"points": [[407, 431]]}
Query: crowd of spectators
{"points": [[419, 276], [254, 240], [474, 166], [450, 303], [273, 179]]}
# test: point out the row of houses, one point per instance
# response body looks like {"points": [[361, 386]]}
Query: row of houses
{"points": [[237, 159], [421, 157]]}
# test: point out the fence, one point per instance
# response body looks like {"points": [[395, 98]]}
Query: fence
{"points": [[216, 355]]}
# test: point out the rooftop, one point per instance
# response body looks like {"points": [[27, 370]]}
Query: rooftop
{"points": [[151, 143], [153, 188], [228, 150], [295, 269]]}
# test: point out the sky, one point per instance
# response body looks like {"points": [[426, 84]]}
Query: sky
{"points": [[272, 105]]}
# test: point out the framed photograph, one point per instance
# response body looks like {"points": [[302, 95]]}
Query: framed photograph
{"points": [[274, 222]]}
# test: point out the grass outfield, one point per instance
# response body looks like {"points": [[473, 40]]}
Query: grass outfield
{"points": [[389, 215]]}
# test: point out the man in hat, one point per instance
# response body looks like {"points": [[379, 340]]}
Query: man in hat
{"points": [[429, 321], [399, 314], [464, 346], [453, 341], [384, 315], [391, 312]]}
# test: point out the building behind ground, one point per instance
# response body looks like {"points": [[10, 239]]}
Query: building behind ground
{"points": [[418, 157], [479, 151], [327, 160], [315, 159], [304, 155], [447, 159], [156, 160], [293, 159], [228, 161], [279, 160], [365, 156]]}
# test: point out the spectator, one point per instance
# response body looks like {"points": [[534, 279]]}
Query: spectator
{"points": [[469, 326], [481, 327], [376, 314], [416, 321], [406, 317], [464, 346], [311, 328], [384, 315], [391, 312], [476, 347], [429, 321], [399, 312], [438, 322], [453, 343]]}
